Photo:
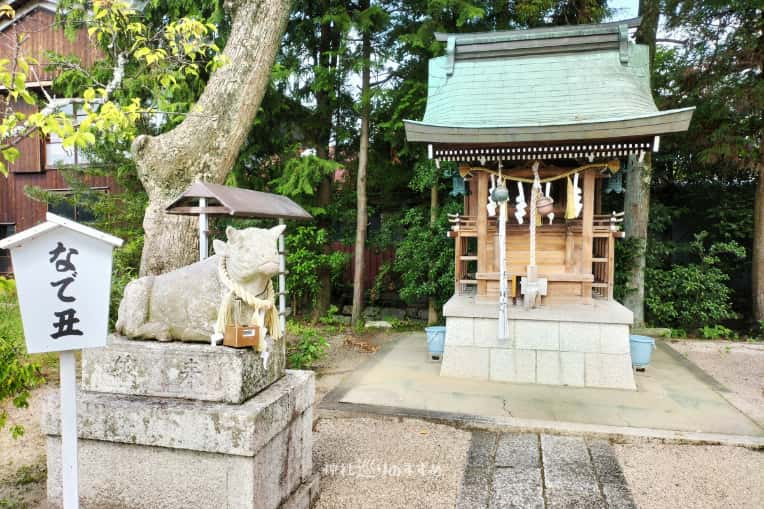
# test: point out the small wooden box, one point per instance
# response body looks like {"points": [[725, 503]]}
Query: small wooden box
{"points": [[242, 336]]}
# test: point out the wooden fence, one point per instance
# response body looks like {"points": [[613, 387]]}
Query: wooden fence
{"points": [[373, 260]]}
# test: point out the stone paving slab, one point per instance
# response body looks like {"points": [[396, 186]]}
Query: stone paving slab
{"points": [[526, 470], [475, 490]]}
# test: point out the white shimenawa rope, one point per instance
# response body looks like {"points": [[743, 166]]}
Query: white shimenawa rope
{"points": [[267, 305], [535, 191]]}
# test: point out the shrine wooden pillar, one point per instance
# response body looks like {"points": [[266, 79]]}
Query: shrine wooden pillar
{"points": [[587, 226], [482, 230]]}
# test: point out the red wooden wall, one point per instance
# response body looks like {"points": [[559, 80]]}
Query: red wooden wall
{"points": [[34, 25], [39, 36], [373, 261]]}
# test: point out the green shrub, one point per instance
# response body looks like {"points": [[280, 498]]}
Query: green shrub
{"points": [[694, 294], [717, 331], [18, 374], [425, 257], [310, 346], [307, 256]]}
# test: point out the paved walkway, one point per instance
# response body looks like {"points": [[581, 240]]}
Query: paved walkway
{"points": [[672, 395], [508, 470]]}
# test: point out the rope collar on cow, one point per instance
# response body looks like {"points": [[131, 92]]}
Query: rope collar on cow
{"points": [[267, 305]]}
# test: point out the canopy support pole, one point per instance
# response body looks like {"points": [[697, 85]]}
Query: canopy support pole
{"points": [[203, 246], [282, 282]]}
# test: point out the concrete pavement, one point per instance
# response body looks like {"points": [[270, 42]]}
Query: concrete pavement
{"points": [[672, 397]]}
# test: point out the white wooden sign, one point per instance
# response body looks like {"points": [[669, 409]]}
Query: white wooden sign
{"points": [[63, 281]]}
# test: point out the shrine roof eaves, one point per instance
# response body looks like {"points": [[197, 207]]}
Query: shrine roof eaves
{"points": [[237, 202], [646, 125], [542, 33], [585, 82]]}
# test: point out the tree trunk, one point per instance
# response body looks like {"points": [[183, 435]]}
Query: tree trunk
{"points": [[363, 161], [757, 265], [432, 310], [637, 200], [637, 208], [325, 107], [206, 144], [647, 32], [324, 294]]}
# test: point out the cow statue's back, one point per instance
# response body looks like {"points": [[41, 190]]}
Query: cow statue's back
{"points": [[184, 304]]}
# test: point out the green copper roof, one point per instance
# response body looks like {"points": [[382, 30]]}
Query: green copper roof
{"points": [[592, 74]]}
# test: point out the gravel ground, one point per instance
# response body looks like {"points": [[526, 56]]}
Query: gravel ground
{"points": [[738, 366], [692, 476], [388, 462]]}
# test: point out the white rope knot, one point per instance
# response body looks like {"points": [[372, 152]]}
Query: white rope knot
{"points": [[265, 314]]}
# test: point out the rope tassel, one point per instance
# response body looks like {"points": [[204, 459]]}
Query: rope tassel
{"points": [[265, 314]]}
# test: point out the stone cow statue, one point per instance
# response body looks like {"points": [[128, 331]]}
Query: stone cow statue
{"points": [[184, 304]]}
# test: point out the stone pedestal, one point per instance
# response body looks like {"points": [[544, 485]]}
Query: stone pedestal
{"points": [[172, 425], [562, 343]]}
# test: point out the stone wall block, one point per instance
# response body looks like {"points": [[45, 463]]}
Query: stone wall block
{"points": [[502, 365], [306, 423], [465, 362], [572, 369], [609, 370], [537, 335], [579, 337], [487, 333], [614, 338], [460, 331], [525, 366], [548, 367], [195, 371], [202, 426]]}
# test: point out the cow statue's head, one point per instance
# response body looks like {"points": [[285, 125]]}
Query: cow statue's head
{"points": [[251, 252]]}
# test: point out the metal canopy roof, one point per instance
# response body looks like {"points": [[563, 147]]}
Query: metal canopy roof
{"points": [[234, 201], [549, 85]]}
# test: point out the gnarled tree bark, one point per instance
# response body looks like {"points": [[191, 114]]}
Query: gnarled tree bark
{"points": [[206, 144]]}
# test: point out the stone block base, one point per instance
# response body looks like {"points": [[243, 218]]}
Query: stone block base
{"points": [[195, 371], [143, 452], [563, 344]]}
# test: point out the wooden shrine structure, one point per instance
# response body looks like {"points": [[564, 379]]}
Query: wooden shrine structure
{"points": [[547, 114]]}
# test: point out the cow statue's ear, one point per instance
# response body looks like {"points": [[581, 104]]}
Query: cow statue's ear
{"points": [[220, 247], [276, 231], [231, 233]]}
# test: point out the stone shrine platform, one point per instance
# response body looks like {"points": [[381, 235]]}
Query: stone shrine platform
{"points": [[565, 343], [167, 425], [673, 400]]}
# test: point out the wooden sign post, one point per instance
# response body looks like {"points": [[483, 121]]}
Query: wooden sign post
{"points": [[63, 281]]}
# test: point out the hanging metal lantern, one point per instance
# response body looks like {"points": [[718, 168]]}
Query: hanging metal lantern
{"points": [[615, 183], [457, 184], [500, 193]]}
